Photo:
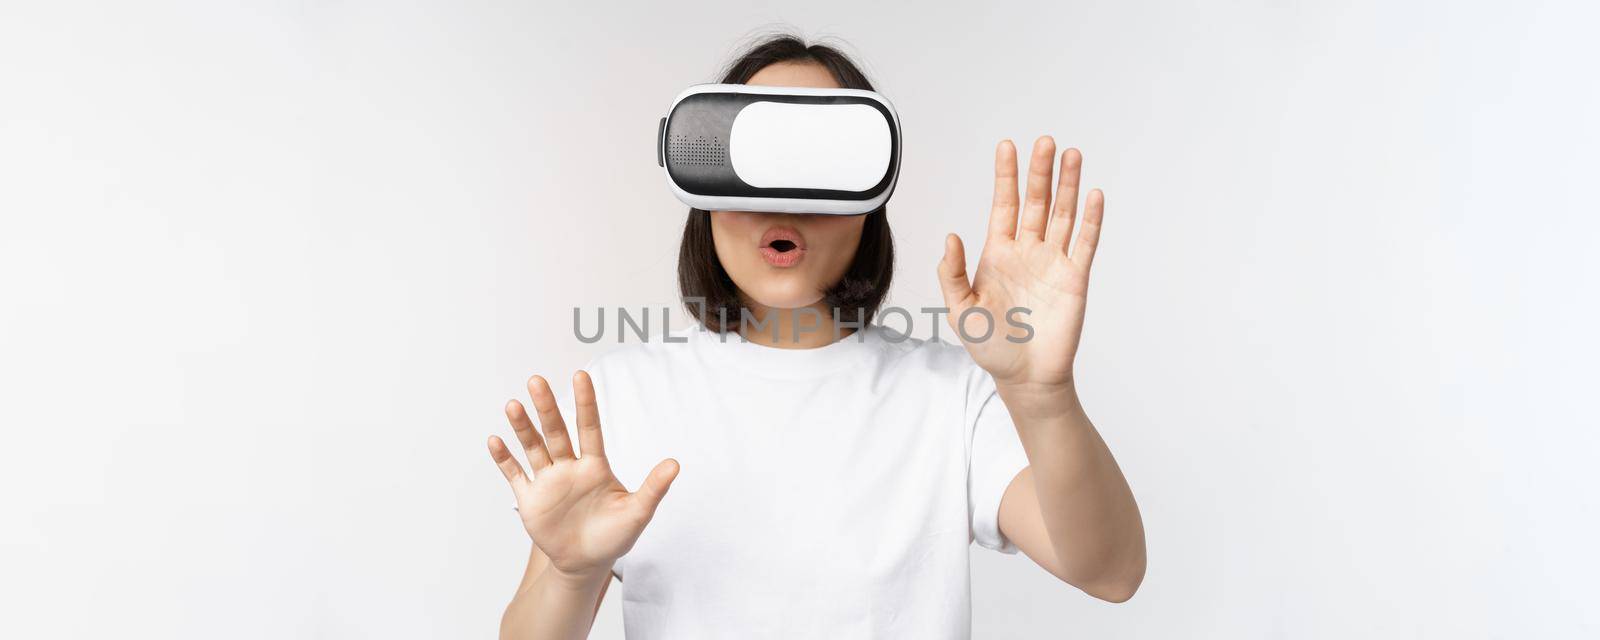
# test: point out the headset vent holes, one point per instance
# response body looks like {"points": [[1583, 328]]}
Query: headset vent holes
{"points": [[697, 150]]}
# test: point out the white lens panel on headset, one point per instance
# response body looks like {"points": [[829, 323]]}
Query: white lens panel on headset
{"points": [[776, 145]]}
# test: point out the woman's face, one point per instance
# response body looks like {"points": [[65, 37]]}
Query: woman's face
{"points": [[784, 260]]}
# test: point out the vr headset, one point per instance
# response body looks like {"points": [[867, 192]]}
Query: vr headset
{"points": [[735, 147]]}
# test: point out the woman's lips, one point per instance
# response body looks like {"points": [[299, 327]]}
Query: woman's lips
{"points": [[782, 247]]}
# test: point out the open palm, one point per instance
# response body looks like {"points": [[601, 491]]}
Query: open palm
{"points": [[1026, 263], [573, 507]]}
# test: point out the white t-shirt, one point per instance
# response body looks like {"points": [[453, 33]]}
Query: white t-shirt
{"points": [[823, 493]]}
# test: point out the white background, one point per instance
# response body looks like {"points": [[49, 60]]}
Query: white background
{"points": [[268, 273]]}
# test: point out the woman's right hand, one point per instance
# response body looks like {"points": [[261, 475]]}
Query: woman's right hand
{"points": [[573, 507]]}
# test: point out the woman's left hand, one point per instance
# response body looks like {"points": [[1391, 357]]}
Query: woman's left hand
{"points": [[1026, 264]]}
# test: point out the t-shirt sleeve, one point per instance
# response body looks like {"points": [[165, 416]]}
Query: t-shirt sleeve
{"points": [[995, 457]]}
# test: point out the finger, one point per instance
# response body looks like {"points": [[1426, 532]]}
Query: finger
{"points": [[589, 441], [556, 441], [953, 280], [1066, 209], [655, 486], [1094, 208], [509, 467], [1003, 213], [532, 444], [1036, 207]]}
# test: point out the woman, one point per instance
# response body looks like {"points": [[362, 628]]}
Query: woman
{"points": [[834, 472]]}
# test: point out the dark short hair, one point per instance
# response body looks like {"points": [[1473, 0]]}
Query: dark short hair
{"points": [[707, 291]]}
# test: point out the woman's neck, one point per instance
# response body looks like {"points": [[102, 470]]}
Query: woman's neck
{"points": [[803, 328]]}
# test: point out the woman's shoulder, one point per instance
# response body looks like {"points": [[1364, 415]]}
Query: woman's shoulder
{"points": [[940, 367], [650, 352], [932, 352]]}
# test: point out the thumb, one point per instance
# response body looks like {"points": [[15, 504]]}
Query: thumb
{"points": [[953, 276], [655, 485]]}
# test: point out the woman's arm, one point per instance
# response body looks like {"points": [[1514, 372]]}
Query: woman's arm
{"points": [[1071, 510], [552, 604], [578, 515]]}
